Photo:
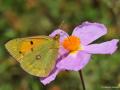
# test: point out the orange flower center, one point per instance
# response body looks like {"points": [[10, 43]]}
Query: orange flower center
{"points": [[71, 43]]}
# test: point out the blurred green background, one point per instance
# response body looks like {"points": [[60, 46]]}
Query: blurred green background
{"points": [[22, 18]]}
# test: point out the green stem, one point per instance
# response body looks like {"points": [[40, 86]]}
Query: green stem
{"points": [[82, 80]]}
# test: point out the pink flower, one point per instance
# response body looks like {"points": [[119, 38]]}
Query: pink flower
{"points": [[75, 50]]}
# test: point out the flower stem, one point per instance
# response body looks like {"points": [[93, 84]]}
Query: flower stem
{"points": [[82, 80]]}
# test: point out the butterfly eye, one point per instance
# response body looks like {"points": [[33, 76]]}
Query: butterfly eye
{"points": [[38, 57]]}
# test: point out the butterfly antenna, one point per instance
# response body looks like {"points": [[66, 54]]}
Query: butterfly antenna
{"points": [[61, 25]]}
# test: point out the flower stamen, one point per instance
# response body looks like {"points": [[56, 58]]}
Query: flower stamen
{"points": [[71, 43]]}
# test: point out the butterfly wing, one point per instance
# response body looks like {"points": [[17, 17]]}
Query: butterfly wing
{"points": [[12, 47], [18, 47], [37, 55]]}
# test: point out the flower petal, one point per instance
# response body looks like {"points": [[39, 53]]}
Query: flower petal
{"points": [[53, 74], [74, 61], [51, 77], [62, 52], [108, 47], [88, 32], [61, 32]]}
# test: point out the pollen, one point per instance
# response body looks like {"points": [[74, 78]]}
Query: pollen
{"points": [[71, 43]]}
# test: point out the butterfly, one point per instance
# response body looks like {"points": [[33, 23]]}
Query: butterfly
{"points": [[37, 55]]}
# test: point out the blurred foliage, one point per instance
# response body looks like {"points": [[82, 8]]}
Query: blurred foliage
{"points": [[22, 18]]}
